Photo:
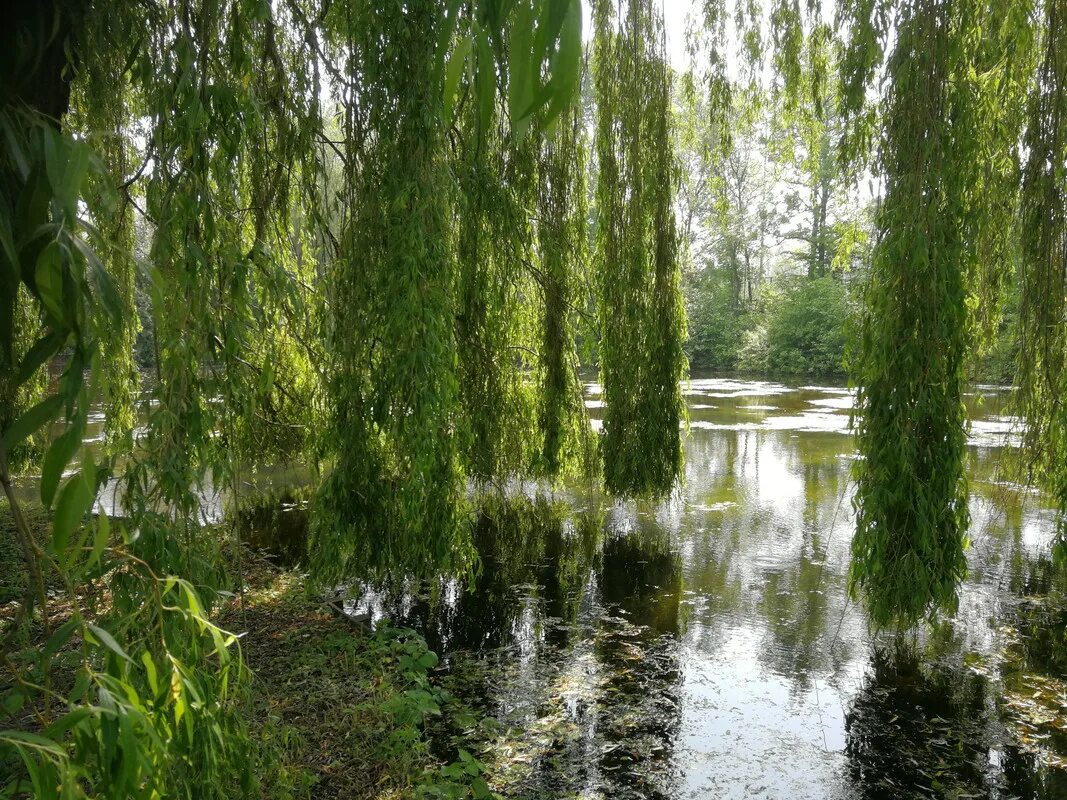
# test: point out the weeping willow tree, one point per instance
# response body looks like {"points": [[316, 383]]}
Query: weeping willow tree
{"points": [[206, 118], [933, 225], [642, 319], [1043, 262]]}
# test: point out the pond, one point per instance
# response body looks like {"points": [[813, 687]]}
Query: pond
{"points": [[706, 647]]}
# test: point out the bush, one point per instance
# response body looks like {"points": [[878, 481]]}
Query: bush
{"points": [[997, 361], [806, 328], [716, 324]]}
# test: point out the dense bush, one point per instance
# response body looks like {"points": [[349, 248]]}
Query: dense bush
{"points": [[797, 327], [998, 360], [716, 325], [806, 328]]}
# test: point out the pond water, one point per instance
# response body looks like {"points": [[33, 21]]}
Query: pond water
{"points": [[706, 647]]}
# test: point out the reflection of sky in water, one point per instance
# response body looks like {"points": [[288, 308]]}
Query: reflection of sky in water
{"points": [[710, 650], [705, 647]]}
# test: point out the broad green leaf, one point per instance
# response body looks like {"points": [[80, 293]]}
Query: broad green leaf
{"points": [[58, 456], [75, 498], [59, 638], [67, 722], [566, 64], [444, 37], [103, 284], [32, 740], [100, 540], [33, 420], [74, 172], [150, 672], [45, 347], [48, 278], [520, 90], [56, 152], [453, 72]]}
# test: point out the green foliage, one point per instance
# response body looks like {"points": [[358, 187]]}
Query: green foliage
{"points": [[806, 328], [1042, 378], [220, 105], [394, 495], [798, 326], [642, 318], [450, 332], [716, 324], [393, 285], [563, 243], [911, 499]]}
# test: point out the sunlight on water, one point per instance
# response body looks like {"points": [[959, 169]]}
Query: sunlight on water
{"points": [[706, 646]]}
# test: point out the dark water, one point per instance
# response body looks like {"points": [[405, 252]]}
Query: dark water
{"points": [[706, 647]]}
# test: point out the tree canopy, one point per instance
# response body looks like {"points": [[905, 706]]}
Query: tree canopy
{"points": [[375, 237]]}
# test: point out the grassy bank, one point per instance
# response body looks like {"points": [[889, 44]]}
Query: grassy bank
{"points": [[336, 711]]}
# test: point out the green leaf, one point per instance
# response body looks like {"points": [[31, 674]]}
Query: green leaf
{"points": [[444, 37], [150, 671], [520, 90], [81, 686], [103, 284], [564, 84], [486, 83], [453, 72], [67, 722], [71, 182], [48, 280], [33, 420], [33, 740], [108, 641], [75, 498], [44, 348], [59, 638], [58, 456], [100, 540], [55, 159]]}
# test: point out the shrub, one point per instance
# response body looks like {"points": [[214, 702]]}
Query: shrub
{"points": [[806, 328], [715, 323]]}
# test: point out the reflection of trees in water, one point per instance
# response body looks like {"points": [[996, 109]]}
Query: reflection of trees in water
{"points": [[638, 707], [803, 592], [536, 557], [771, 558], [920, 727], [569, 639], [794, 604]]}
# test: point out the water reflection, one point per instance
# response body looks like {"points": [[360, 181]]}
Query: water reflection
{"points": [[924, 725], [706, 647]]}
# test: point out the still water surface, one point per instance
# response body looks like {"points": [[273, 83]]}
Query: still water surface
{"points": [[706, 647]]}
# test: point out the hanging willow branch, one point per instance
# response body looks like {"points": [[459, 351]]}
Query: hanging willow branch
{"points": [[642, 321], [394, 495], [934, 226], [1042, 379], [562, 239]]}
